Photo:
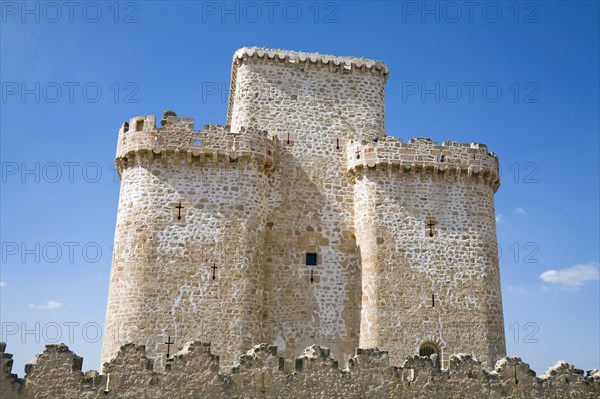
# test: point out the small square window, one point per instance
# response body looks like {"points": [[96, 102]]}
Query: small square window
{"points": [[311, 259]]}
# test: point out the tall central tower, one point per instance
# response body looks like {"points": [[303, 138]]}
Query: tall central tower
{"points": [[301, 222], [317, 107]]}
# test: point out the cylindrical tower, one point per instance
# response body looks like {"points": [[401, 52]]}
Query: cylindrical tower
{"points": [[426, 231], [191, 218]]}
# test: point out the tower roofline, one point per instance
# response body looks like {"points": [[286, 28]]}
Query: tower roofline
{"points": [[295, 57]]}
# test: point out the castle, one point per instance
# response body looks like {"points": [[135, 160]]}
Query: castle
{"points": [[299, 226], [301, 222]]}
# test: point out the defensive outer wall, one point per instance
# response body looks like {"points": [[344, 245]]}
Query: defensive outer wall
{"points": [[194, 373]]}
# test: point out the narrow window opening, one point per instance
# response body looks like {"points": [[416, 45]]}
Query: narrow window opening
{"points": [[433, 300], [179, 212], [179, 208], [125, 127], [430, 230], [311, 259], [139, 125]]}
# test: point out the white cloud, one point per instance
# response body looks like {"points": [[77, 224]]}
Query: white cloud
{"points": [[2, 283], [498, 218], [573, 277], [50, 305], [520, 211]]}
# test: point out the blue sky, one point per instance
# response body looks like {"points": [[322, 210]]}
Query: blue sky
{"points": [[522, 78]]}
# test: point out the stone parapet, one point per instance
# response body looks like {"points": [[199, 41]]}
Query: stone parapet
{"points": [[177, 140], [423, 156]]}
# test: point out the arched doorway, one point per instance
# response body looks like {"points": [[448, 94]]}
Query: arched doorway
{"points": [[428, 349], [431, 350]]}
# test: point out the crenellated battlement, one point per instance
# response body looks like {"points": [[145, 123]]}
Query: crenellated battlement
{"points": [[176, 139], [141, 132], [422, 156], [299, 57], [194, 372]]}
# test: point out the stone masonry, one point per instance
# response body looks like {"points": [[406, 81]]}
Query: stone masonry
{"points": [[217, 228], [194, 373]]}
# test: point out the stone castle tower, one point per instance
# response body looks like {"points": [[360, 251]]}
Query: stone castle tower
{"points": [[301, 222]]}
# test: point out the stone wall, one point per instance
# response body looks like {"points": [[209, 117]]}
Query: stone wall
{"points": [[194, 372], [304, 168]]}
